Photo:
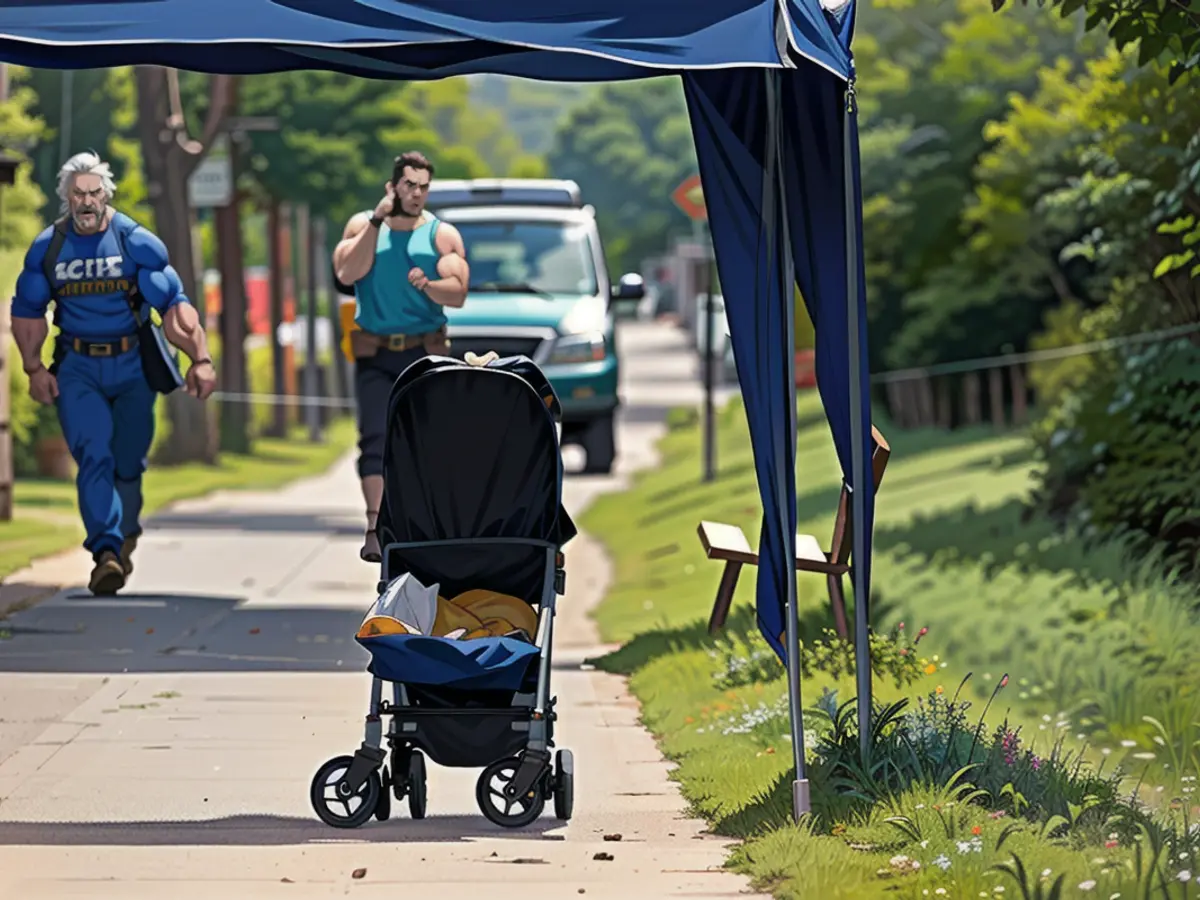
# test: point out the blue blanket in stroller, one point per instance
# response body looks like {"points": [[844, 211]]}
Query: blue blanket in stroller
{"points": [[484, 663]]}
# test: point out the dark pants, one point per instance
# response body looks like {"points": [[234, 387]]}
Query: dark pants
{"points": [[373, 380], [106, 409]]}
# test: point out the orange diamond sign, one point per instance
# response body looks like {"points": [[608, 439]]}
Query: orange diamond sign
{"points": [[690, 198]]}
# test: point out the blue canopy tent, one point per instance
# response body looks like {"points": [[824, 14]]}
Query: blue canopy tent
{"points": [[770, 92]]}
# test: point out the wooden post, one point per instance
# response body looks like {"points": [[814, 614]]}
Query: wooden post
{"points": [[6, 446], [8, 175], [972, 412], [291, 380], [279, 421], [925, 389], [1020, 399], [895, 398], [996, 398], [235, 415], [945, 414]]}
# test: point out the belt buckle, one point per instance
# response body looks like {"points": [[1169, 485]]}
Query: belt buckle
{"points": [[397, 341], [100, 349]]}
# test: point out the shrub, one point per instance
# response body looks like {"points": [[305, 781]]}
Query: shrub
{"points": [[746, 659], [1120, 451]]}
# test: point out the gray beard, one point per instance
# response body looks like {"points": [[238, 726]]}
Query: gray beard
{"points": [[99, 213]]}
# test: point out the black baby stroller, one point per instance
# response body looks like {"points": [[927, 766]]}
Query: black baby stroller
{"points": [[472, 499]]}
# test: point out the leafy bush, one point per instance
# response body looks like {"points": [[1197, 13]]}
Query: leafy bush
{"points": [[935, 745], [745, 659], [1120, 452]]}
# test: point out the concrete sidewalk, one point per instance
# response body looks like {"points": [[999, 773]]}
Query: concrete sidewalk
{"points": [[161, 743]]}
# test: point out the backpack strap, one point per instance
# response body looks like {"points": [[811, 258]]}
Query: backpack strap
{"points": [[50, 260]]}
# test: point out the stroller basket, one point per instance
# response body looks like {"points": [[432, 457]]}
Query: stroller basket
{"points": [[472, 503]]}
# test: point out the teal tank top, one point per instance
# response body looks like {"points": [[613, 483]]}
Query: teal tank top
{"points": [[385, 302]]}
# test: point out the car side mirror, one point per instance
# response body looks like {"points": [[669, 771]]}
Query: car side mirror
{"points": [[630, 289]]}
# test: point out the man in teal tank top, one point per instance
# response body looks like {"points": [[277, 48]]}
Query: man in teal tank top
{"points": [[405, 265]]}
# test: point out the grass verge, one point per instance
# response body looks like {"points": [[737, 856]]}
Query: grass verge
{"points": [[1093, 644]]}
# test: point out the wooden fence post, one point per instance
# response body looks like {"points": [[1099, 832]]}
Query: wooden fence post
{"points": [[972, 413], [996, 398], [945, 414], [1016, 376]]}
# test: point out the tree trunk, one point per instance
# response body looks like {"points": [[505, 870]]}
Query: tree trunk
{"points": [[169, 158], [235, 414]]}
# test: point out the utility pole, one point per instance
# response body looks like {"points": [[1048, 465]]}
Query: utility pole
{"points": [[308, 276], [710, 365], [8, 175]]}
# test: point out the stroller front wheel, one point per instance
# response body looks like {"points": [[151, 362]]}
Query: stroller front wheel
{"points": [[497, 806], [335, 804]]}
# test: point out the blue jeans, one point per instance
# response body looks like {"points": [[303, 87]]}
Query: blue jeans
{"points": [[106, 409]]}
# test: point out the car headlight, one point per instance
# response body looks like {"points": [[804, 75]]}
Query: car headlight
{"points": [[578, 348]]}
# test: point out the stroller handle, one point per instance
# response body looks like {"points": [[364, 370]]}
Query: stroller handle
{"points": [[470, 542]]}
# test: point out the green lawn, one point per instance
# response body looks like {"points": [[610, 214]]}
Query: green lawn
{"points": [[1092, 643], [45, 520]]}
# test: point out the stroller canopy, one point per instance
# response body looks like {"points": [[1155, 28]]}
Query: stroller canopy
{"points": [[472, 452], [766, 86]]}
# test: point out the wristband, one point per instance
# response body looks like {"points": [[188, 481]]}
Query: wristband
{"points": [[376, 220]]}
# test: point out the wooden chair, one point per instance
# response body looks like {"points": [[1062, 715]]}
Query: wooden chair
{"points": [[728, 544]]}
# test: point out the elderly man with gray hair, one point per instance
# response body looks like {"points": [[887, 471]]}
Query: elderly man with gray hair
{"points": [[104, 273]]}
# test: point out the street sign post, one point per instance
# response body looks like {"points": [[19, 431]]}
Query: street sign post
{"points": [[689, 197], [211, 184]]}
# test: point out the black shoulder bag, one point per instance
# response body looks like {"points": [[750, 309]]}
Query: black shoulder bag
{"points": [[160, 361]]}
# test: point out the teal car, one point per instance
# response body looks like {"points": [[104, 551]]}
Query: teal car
{"points": [[540, 288]]}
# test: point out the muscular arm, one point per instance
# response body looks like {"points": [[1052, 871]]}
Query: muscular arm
{"points": [[451, 288], [29, 305], [160, 285], [355, 253]]}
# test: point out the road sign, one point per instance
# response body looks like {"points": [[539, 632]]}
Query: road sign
{"points": [[690, 198], [252, 123], [211, 184]]}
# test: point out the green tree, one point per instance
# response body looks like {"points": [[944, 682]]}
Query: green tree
{"points": [[628, 146], [21, 204], [1166, 31]]}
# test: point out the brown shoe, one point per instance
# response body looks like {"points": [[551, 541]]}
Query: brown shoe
{"points": [[108, 576], [127, 549]]}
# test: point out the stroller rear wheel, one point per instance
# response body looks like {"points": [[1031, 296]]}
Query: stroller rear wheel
{"points": [[334, 802], [564, 785], [497, 806], [416, 785]]}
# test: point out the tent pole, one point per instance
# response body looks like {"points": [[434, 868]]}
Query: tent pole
{"points": [[862, 638], [774, 188]]}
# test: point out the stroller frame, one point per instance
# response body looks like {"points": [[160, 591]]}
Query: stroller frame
{"points": [[507, 729]]}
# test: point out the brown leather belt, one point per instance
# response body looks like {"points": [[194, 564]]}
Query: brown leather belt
{"points": [[103, 348], [365, 343]]}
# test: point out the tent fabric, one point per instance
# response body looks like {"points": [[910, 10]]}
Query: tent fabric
{"points": [[579, 40], [765, 82]]}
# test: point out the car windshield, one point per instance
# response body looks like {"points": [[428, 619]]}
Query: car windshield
{"points": [[538, 257]]}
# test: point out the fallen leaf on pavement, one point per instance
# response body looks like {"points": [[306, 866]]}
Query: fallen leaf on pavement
{"points": [[149, 631], [528, 861], [287, 881], [604, 857], [254, 631], [359, 873], [612, 837]]}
